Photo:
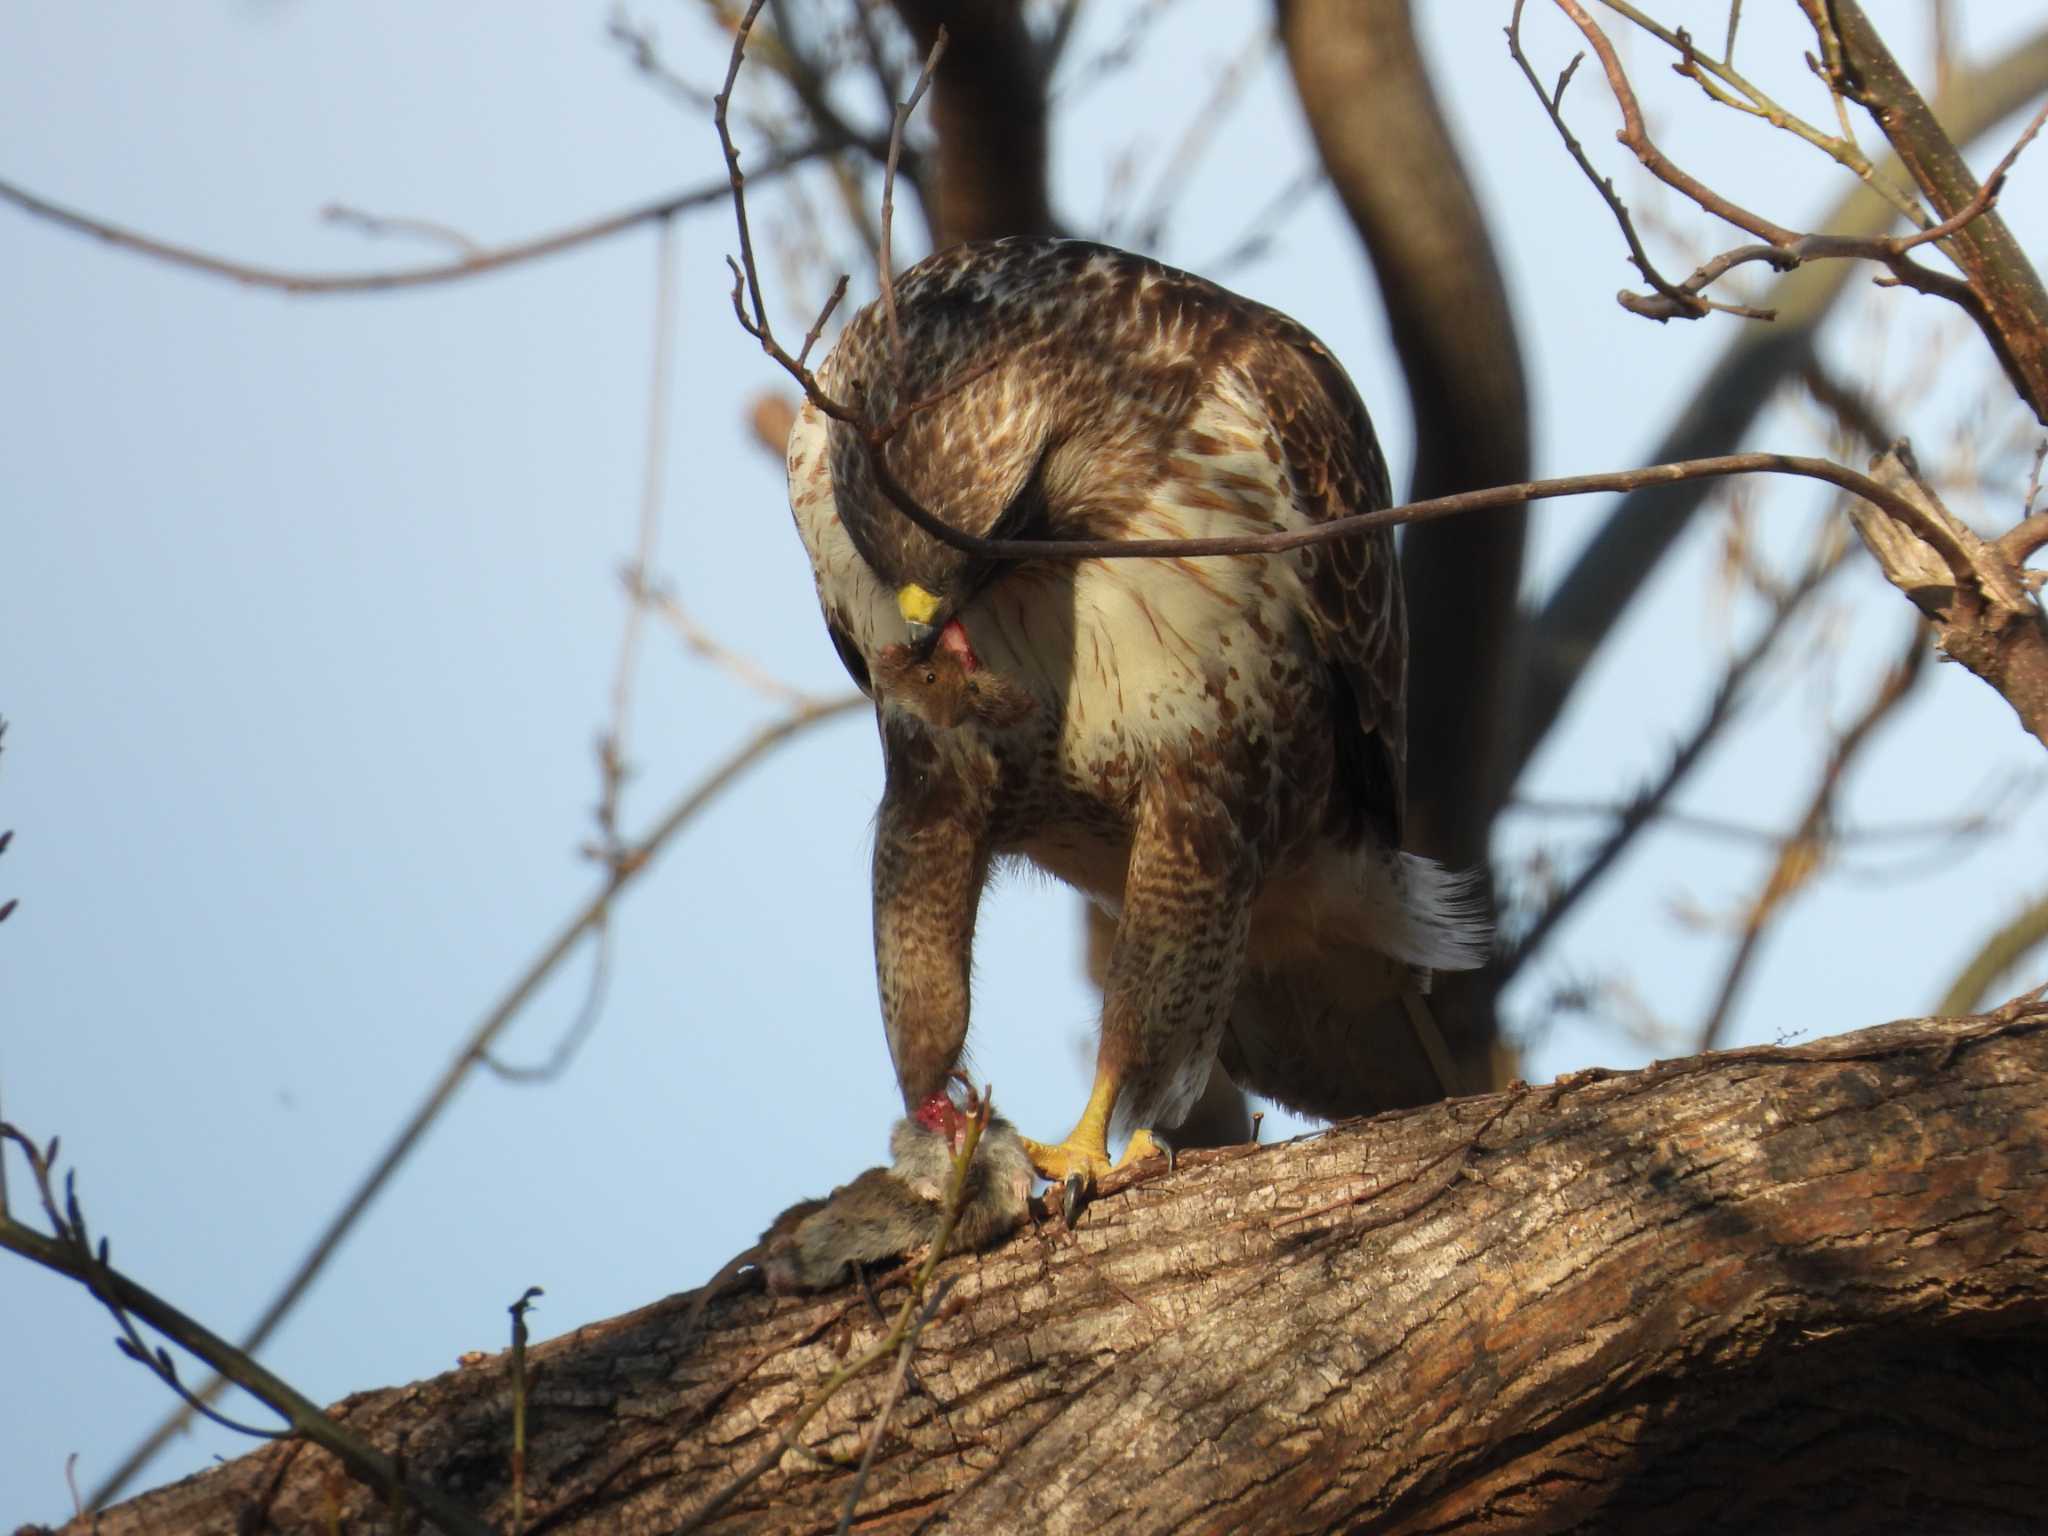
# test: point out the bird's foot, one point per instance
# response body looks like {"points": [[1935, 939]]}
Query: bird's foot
{"points": [[1076, 1157], [1087, 1157]]}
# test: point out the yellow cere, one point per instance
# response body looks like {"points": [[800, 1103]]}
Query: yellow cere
{"points": [[916, 605]]}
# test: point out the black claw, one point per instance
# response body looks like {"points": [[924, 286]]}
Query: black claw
{"points": [[1073, 1195]]}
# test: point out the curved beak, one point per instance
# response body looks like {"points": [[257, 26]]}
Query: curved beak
{"points": [[920, 612]]}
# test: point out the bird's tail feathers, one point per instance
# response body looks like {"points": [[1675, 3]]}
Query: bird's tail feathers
{"points": [[1425, 914]]}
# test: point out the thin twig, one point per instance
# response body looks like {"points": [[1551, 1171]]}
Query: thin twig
{"points": [[1636, 136], [700, 640], [588, 1012], [907, 1321], [1209, 116], [1264, 225], [378, 224], [1553, 105], [1697, 67], [612, 747], [1648, 803], [1800, 853], [320, 283], [2019, 542], [643, 52], [1967, 825], [895, 1394], [886, 260], [1783, 249], [519, 1309], [1495, 497]]}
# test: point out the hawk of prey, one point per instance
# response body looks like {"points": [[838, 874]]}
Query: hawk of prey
{"points": [[1211, 749]]}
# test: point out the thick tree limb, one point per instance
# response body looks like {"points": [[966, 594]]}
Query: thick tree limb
{"points": [[1984, 615], [1577, 1307]]}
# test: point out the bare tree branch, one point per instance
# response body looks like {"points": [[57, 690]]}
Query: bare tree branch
{"points": [[1588, 1302], [1861, 67], [1646, 806], [1799, 855], [321, 283], [1634, 538], [1783, 249], [1358, 68], [988, 111]]}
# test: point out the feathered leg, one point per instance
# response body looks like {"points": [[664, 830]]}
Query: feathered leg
{"points": [[931, 862], [1173, 969]]}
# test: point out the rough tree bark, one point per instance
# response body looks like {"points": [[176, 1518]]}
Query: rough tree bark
{"points": [[1772, 1289]]}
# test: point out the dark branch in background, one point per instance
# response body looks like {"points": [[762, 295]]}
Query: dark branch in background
{"points": [[1382, 136], [1632, 540], [1799, 856], [988, 113], [315, 283], [1358, 69], [473, 1051], [2016, 321], [1728, 698], [67, 1249]]}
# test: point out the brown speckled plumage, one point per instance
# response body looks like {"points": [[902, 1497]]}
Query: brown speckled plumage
{"points": [[1210, 748]]}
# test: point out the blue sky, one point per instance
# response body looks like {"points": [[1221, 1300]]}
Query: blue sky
{"points": [[309, 613]]}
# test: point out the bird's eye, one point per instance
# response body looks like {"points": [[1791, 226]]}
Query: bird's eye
{"points": [[931, 677], [974, 687]]}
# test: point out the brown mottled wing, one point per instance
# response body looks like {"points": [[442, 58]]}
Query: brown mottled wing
{"points": [[1356, 615]]}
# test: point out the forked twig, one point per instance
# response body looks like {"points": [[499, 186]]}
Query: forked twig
{"points": [[1781, 248], [886, 262]]}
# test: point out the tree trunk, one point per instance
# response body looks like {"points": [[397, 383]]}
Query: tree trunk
{"points": [[1771, 1289]]}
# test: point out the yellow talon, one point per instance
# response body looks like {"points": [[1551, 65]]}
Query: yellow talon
{"points": [[1086, 1149]]}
